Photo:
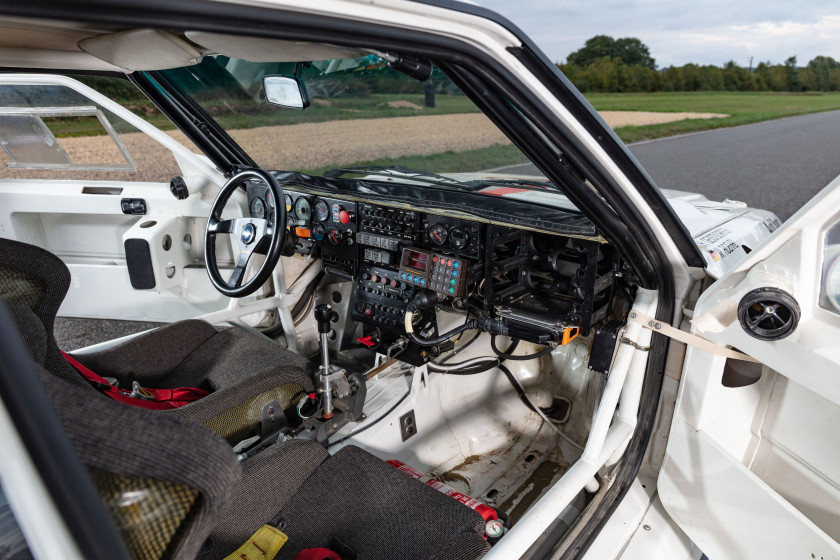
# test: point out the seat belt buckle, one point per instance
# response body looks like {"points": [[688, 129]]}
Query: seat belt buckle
{"points": [[139, 392]]}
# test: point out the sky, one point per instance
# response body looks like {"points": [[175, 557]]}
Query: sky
{"points": [[679, 31]]}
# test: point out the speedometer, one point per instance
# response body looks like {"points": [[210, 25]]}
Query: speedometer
{"points": [[257, 208], [322, 211], [302, 209]]}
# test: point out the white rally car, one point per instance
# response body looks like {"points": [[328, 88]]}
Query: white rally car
{"points": [[376, 344]]}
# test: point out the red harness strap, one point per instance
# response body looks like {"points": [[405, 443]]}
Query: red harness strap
{"points": [[158, 399]]}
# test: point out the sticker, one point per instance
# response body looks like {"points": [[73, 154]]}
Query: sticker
{"points": [[263, 545]]}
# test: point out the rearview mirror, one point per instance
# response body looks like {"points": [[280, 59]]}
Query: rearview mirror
{"points": [[286, 91]]}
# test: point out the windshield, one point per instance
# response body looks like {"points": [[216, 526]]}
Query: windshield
{"points": [[364, 118]]}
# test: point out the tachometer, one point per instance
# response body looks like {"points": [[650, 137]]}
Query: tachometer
{"points": [[334, 235], [459, 238], [322, 211], [302, 209], [257, 208], [438, 234]]}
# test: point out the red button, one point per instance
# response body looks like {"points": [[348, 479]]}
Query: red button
{"points": [[449, 262], [394, 283], [436, 258], [374, 278], [344, 217], [383, 280]]}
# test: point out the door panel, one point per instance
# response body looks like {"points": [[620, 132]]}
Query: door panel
{"points": [[73, 207], [752, 468]]}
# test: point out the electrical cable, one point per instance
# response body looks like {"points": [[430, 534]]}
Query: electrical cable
{"points": [[518, 357], [530, 404], [373, 423]]}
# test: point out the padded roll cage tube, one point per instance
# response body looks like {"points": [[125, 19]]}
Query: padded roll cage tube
{"points": [[274, 23]]}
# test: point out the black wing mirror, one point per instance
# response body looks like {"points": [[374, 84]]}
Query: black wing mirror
{"points": [[286, 91]]}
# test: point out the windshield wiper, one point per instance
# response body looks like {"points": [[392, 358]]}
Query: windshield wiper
{"points": [[523, 183]]}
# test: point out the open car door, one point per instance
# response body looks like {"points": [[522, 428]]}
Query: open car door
{"points": [[88, 180], [752, 467]]}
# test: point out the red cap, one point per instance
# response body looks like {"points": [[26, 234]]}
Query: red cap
{"points": [[344, 217]]}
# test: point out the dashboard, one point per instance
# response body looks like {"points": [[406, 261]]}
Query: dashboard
{"points": [[538, 283]]}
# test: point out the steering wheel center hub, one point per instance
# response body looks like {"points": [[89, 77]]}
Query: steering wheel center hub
{"points": [[249, 233]]}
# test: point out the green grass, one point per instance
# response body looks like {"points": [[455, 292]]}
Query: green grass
{"points": [[744, 108], [236, 114], [448, 162]]}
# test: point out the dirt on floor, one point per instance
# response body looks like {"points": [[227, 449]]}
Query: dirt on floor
{"points": [[312, 145]]}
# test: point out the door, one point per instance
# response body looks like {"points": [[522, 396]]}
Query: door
{"points": [[752, 467], [89, 180]]}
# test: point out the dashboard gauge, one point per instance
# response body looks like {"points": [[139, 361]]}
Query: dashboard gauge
{"points": [[302, 209], [322, 211], [458, 238], [438, 234], [335, 236], [257, 208], [318, 232], [288, 203]]}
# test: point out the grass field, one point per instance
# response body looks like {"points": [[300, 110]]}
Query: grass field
{"points": [[744, 108]]}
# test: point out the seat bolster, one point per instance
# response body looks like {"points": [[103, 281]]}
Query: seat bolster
{"points": [[233, 355], [30, 328], [269, 480], [150, 357]]}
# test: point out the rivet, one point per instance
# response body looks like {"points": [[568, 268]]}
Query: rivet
{"points": [[650, 323], [658, 326], [646, 527], [633, 315]]}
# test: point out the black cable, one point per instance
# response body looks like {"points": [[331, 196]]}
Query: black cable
{"points": [[508, 356], [362, 429], [471, 324], [520, 391]]}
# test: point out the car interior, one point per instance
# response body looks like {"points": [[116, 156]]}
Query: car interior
{"points": [[434, 358]]}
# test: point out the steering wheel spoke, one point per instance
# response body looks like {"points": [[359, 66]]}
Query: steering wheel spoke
{"points": [[221, 226]]}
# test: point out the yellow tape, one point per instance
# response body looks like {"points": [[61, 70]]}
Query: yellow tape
{"points": [[263, 545]]}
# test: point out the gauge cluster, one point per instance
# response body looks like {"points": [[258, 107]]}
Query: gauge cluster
{"points": [[459, 237]]}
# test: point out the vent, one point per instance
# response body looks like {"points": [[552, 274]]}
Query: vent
{"points": [[768, 313]]}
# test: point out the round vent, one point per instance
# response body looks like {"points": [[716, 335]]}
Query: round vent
{"points": [[768, 313]]}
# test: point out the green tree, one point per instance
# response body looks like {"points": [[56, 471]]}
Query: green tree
{"points": [[629, 50], [822, 67], [791, 75]]}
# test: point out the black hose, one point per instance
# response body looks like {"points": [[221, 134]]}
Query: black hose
{"points": [[277, 327], [508, 356], [471, 324]]}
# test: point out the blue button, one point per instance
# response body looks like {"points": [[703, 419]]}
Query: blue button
{"points": [[456, 264], [402, 276], [410, 278], [454, 273], [422, 281]]}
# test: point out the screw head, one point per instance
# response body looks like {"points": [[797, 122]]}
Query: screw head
{"points": [[646, 527]]}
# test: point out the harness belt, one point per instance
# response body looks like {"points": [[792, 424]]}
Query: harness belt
{"points": [[688, 338], [153, 399]]}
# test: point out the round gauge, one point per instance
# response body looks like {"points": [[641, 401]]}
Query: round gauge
{"points": [[269, 206], [322, 211], [318, 232], [257, 208], [438, 234], [288, 203], [334, 235], [458, 238], [302, 209]]}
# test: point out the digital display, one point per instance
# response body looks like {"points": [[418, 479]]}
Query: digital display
{"points": [[416, 260]]}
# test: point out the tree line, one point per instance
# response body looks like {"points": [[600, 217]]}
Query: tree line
{"points": [[605, 64]]}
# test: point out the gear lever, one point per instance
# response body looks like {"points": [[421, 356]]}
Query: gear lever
{"points": [[323, 316]]}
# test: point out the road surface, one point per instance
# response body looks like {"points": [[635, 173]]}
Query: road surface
{"points": [[776, 165]]}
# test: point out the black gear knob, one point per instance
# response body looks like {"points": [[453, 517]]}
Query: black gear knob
{"points": [[323, 316]]}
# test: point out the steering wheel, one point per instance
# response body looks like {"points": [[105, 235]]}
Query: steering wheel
{"points": [[253, 235]]}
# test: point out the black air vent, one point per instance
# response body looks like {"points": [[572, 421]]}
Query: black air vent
{"points": [[768, 313]]}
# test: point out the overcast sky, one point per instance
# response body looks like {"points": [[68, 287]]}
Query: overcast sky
{"points": [[679, 31]]}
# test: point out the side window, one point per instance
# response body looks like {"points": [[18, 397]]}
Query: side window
{"points": [[12, 542], [51, 131]]}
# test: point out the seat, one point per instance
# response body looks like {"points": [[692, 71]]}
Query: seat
{"points": [[241, 371], [175, 490]]}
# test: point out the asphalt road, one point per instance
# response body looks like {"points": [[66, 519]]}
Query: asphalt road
{"points": [[775, 165]]}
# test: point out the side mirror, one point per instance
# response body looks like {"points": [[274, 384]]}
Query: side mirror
{"points": [[286, 91]]}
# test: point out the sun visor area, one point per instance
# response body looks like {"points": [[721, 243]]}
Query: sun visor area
{"points": [[255, 49], [142, 49]]}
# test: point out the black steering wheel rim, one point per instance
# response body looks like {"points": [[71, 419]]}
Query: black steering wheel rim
{"points": [[249, 233]]}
